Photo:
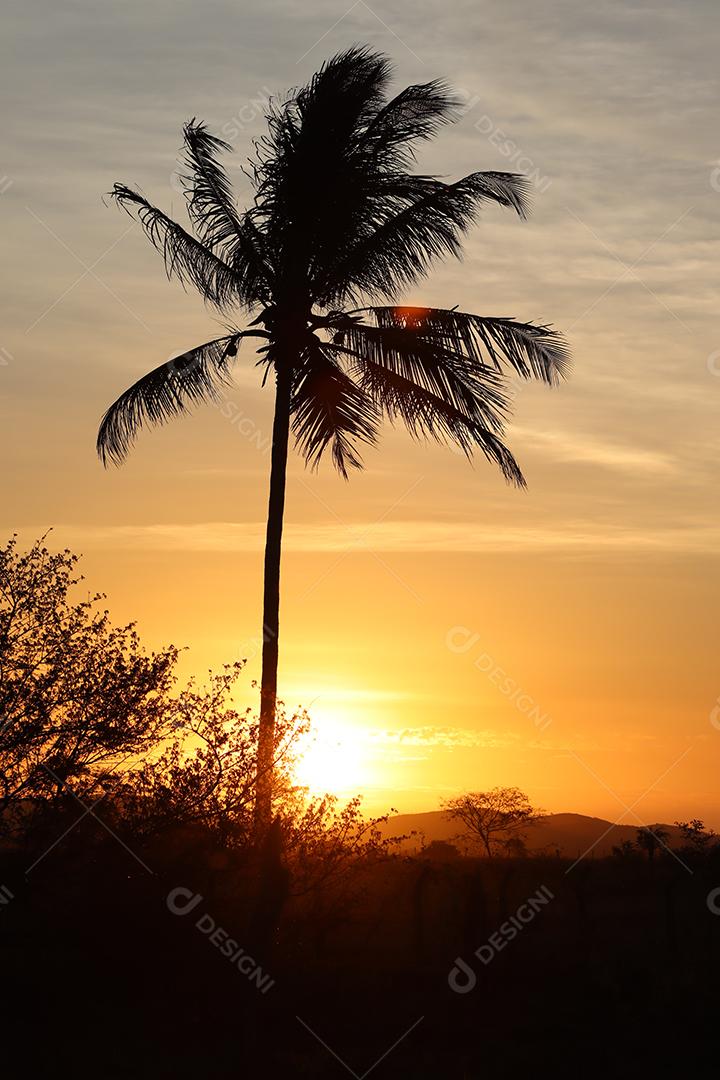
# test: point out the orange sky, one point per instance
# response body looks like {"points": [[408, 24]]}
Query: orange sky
{"points": [[404, 591]]}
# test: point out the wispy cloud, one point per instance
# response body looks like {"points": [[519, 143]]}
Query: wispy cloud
{"points": [[576, 447], [445, 737], [416, 536]]}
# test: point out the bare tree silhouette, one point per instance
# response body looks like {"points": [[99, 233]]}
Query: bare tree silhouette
{"points": [[338, 220], [493, 817]]}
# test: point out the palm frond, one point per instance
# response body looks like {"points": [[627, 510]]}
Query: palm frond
{"points": [[349, 87], [329, 409], [416, 113], [531, 351], [213, 212], [334, 198], [426, 415], [211, 205], [315, 171], [429, 361], [314, 133], [402, 249], [186, 258], [167, 391]]}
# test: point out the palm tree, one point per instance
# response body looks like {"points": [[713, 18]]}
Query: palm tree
{"points": [[338, 220]]}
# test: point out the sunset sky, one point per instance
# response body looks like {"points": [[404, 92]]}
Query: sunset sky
{"points": [[445, 631]]}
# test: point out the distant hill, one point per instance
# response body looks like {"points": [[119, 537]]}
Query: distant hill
{"points": [[570, 834]]}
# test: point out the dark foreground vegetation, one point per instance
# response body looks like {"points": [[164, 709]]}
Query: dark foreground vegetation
{"points": [[616, 974], [146, 932]]}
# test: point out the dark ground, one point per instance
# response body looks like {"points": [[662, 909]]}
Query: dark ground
{"points": [[616, 976]]}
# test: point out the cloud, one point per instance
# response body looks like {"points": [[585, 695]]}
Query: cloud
{"points": [[445, 737], [575, 447], [415, 536]]}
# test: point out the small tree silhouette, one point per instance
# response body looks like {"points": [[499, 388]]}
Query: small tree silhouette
{"points": [[695, 834], [493, 817], [440, 851], [651, 840]]}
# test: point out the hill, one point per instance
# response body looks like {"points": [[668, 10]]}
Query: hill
{"points": [[572, 835]]}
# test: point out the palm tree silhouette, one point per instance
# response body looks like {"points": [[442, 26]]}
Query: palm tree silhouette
{"points": [[338, 220]]}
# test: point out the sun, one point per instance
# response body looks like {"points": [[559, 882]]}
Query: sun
{"points": [[333, 761]]}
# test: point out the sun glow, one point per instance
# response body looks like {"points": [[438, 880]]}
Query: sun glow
{"points": [[333, 761]]}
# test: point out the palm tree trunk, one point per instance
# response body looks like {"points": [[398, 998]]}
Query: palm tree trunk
{"points": [[271, 603]]}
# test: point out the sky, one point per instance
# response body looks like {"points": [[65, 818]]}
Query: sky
{"points": [[446, 632]]}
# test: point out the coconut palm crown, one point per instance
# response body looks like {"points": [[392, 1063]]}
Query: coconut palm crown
{"points": [[339, 225]]}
